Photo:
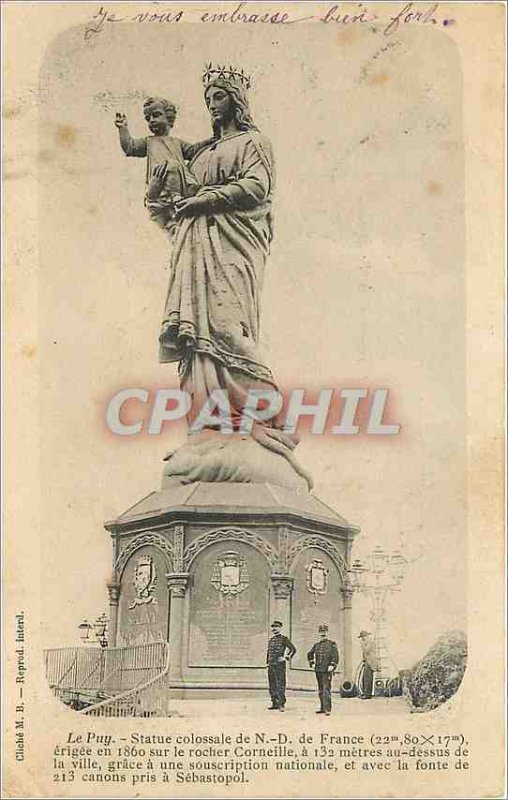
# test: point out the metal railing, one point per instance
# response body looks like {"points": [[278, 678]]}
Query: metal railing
{"points": [[103, 672], [128, 667], [148, 700], [75, 667]]}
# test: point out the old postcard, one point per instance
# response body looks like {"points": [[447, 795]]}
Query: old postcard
{"points": [[253, 281]]}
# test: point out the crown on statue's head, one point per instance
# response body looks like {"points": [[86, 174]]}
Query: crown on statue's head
{"points": [[212, 73]]}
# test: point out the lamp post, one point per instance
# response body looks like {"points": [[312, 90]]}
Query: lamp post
{"points": [[100, 629], [379, 575], [84, 629]]}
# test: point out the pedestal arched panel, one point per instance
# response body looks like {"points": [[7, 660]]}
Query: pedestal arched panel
{"points": [[228, 615], [144, 610], [317, 600]]}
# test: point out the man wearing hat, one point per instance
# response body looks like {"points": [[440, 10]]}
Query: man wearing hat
{"points": [[323, 657], [370, 664], [280, 650]]}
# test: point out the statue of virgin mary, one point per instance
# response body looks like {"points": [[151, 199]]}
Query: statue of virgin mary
{"points": [[211, 316]]}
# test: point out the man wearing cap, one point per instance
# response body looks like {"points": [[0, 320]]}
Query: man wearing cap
{"points": [[370, 663], [323, 657], [280, 650]]}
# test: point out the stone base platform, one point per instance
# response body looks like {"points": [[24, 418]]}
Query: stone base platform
{"points": [[206, 566], [300, 706]]}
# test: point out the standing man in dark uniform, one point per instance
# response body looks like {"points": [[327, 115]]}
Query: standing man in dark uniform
{"points": [[324, 658], [280, 650], [370, 664]]}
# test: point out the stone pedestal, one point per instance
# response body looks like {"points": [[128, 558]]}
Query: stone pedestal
{"points": [[207, 566], [282, 587], [177, 583], [114, 597]]}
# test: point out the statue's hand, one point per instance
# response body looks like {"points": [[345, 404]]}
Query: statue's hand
{"points": [[192, 207], [120, 120], [156, 182]]}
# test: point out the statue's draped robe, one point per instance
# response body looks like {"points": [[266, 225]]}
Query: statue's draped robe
{"points": [[211, 318], [180, 182]]}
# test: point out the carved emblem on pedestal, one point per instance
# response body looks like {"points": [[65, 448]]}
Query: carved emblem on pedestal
{"points": [[229, 574], [317, 577], [282, 586], [144, 580]]}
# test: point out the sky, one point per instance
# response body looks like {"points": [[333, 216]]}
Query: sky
{"points": [[364, 287]]}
